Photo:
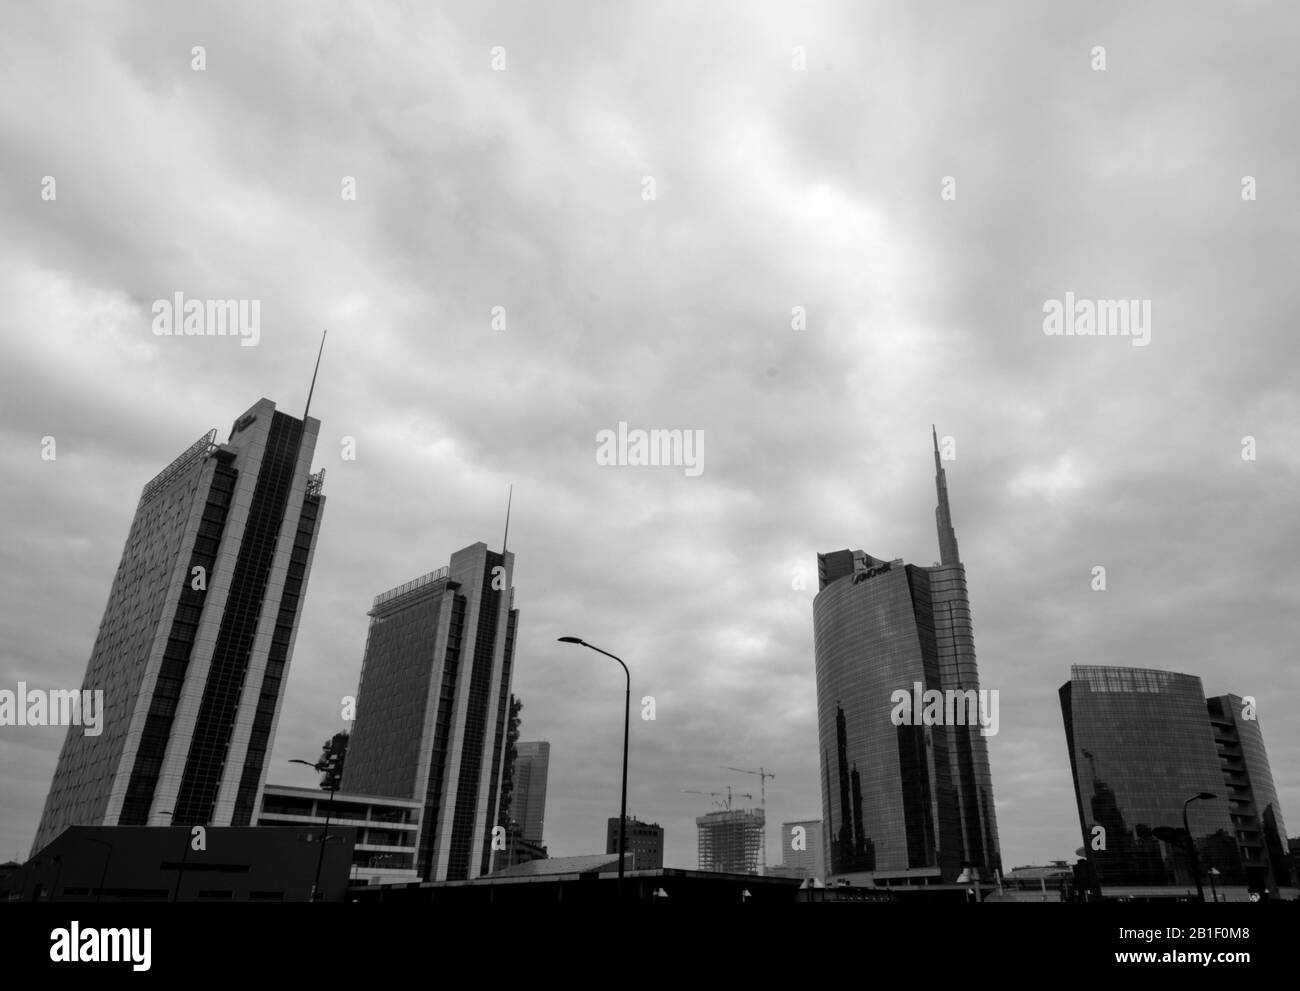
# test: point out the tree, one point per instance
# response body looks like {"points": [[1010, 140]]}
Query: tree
{"points": [[508, 772], [333, 753]]}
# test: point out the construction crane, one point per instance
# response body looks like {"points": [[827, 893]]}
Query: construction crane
{"points": [[718, 794], [763, 775]]}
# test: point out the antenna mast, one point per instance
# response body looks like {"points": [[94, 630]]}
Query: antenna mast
{"points": [[313, 374]]}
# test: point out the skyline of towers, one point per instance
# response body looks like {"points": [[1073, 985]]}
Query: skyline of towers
{"points": [[433, 703], [195, 642], [901, 803], [248, 511]]}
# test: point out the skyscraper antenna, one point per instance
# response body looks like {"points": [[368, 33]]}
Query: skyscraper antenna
{"points": [[313, 375], [943, 514], [509, 499]]}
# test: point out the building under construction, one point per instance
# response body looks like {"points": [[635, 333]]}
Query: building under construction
{"points": [[730, 841]]}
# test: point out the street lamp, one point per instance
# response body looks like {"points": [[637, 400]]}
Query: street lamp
{"points": [[322, 766], [1191, 843], [1214, 891], [185, 852], [627, 715]]}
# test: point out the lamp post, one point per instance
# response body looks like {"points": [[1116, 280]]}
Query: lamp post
{"points": [[1214, 891], [1191, 843], [107, 857], [627, 715], [185, 852], [324, 766]]}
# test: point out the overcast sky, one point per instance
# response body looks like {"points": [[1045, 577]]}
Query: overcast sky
{"points": [[774, 188]]}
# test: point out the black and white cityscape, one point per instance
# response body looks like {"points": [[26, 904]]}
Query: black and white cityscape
{"points": [[501, 456]]}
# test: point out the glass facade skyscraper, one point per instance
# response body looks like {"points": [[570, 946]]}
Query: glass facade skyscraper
{"points": [[913, 803], [433, 705], [194, 646], [528, 800], [1141, 745]]}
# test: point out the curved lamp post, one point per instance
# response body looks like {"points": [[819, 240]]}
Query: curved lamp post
{"points": [[627, 710], [322, 767], [1191, 843], [185, 853]]}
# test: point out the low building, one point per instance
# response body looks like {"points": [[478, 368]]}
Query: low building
{"points": [[519, 850], [160, 864], [386, 828], [592, 880], [1052, 882]]}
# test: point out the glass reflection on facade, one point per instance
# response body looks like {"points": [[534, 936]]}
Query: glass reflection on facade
{"points": [[902, 804], [1141, 745]]}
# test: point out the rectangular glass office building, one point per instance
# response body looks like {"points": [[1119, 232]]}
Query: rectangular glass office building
{"points": [[193, 650], [433, 705]]}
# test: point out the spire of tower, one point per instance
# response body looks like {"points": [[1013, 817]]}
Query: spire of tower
{"points": [[313, 375], [942, 513], [509, 499]]}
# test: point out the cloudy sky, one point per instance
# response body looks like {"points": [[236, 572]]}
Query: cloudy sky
{"points": [[525, 187]]}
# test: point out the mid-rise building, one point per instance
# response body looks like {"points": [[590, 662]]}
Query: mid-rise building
{"points": [[194, 647], [644, 842], [433, 704], [1252, 799], [905, 800], [730, 840], [1141, 750], [801, 842]]}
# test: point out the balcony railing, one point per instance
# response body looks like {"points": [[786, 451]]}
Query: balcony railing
{"points": [[412, 585]]}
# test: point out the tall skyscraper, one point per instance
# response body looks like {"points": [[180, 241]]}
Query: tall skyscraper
{"points": [[532, 760], [433, 704], [908, 803], [1141, 745], [194, 647]]}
